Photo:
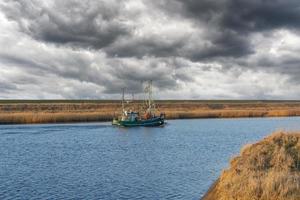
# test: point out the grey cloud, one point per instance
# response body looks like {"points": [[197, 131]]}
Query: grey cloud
{"points": [[133, 72], [257, 15], [7, 86], [88, 24], [16, 60], [71, 66], [104, 25], [152, 46], [222, 44], [245, 16], [112, 74], [108, 26], [236, 20], [286, 65], [103, 46]]}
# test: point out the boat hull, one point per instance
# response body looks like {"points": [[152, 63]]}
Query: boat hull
{"points": [[157, 121]]}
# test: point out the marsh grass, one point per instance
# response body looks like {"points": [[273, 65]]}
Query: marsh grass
{"points": [[86, 111], [267, 170]]}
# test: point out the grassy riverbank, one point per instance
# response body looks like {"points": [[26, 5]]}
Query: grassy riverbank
{"points": [[267, 170], [63, 111]]}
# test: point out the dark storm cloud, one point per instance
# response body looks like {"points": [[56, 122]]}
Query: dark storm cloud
{"points": [[88, 24], [104, 25], [205, 10], [235, 20], [243, 15], [107, 25], [258, 15], [105, 45], [93, 24], [224, 44], [228, 27], [151, 46]]}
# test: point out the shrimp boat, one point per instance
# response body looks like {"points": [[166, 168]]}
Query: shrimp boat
{"points": [[147, 117]]}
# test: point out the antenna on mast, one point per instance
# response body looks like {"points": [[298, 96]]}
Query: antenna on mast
{"points": [[150, 95], [123, 98], [149, 88]]}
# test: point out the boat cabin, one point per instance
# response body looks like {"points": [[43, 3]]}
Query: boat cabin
{"points": [[133, 116]]}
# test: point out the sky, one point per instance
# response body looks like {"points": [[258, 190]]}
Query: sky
{"points": [[191, 49]]}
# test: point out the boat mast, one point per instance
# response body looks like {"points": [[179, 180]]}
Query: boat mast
{"points": [[149, 94], [123, 97]]}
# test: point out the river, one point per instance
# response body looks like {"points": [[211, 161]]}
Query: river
{"points": [[98, 161]]}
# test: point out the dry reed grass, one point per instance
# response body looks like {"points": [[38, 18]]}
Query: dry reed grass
{"points": [[104, 111], [267, 170]]}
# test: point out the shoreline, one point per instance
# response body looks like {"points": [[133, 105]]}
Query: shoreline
{"points": [[109, 121], [75, 111]]}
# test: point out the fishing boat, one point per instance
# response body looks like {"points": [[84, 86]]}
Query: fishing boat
{"points": [[147, 118]]}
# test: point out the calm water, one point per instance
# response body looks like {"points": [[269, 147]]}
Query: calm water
{"points": [[97, 161]]}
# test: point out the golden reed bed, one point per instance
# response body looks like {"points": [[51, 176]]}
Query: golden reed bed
{"points": [[18, 112], [266, 170]]}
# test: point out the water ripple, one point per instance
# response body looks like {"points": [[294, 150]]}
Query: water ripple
{"points": [[97, 161]]}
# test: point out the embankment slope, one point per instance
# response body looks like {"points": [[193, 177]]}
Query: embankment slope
{"points": [[267, 170]]}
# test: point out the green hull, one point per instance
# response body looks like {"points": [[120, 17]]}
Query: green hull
{"points": [[157, 121], [115, 122]]}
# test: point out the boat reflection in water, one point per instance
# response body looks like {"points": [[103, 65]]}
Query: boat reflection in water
{"points": [[146, 118]]}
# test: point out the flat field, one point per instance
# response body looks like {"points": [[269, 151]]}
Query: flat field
{"points": [[65, 111]]}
